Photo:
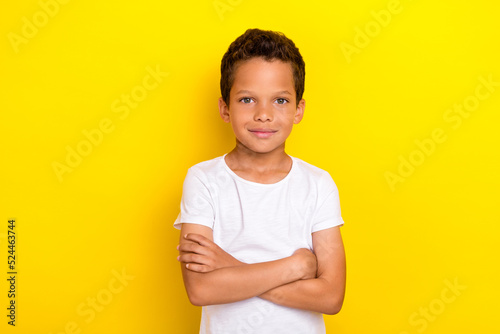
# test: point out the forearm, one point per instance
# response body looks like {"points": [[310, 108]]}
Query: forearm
{"points": [[231, 284], [317, 294]]}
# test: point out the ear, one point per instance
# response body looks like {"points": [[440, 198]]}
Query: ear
{"points": [[299, 113], [223, 110]]}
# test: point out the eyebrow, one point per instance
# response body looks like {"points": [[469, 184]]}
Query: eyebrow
{"points": [[243, 91]]}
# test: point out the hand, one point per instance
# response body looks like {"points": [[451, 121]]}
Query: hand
{"points": [[203, 255], [306, 263]]}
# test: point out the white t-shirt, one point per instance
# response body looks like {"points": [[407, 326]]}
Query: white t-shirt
{"points": [[256, 222]]}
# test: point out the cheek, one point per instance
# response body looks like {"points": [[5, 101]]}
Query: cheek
{"points": [[238, 124], [289, 118], [287, 125]]}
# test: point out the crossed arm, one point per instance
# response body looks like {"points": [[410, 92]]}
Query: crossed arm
{"points": [[308, 281]]}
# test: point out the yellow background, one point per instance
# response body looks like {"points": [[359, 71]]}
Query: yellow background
{"points": [[114, 211]]}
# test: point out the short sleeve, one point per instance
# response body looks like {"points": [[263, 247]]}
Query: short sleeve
{"points": [[328, 212], [196, 203]]}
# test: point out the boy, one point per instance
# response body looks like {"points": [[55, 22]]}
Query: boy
{"points": [[250, 219]]}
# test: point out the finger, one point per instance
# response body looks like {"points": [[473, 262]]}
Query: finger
{"points": [[199, 239], [198, 268], [192, 247], [194, 258]]}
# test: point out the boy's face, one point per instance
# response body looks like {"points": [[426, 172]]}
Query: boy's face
{"points": [[263, 105]]}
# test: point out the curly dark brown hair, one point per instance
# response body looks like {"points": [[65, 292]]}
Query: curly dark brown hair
{"points": [[268, 44]]}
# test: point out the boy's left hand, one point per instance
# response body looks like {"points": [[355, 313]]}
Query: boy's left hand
{"points": [[203, 255]]}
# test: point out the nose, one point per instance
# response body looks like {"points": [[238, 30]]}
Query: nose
{"points": [[263, 113]]}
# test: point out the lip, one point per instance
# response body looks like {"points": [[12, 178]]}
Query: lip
{"points": [[263, 133]]}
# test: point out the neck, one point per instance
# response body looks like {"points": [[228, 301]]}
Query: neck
{"points": [[242, 158]]}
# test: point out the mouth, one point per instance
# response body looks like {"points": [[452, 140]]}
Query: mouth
{"points": [[263, 133]]}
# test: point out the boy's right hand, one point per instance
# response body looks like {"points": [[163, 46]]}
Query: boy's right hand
{"points": [[306, 263], [203, 255]]}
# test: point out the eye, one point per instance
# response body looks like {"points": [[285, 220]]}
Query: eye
{"points": [[246, 100], [281, 100]]}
